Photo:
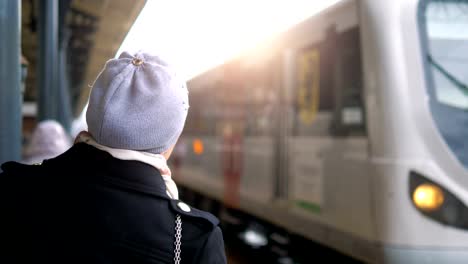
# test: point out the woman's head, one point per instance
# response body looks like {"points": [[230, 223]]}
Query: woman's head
{"points": [[137, 102]]}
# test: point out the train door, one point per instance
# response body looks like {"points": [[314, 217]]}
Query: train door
{"points": [[311, 120], [327, 154], [259, 79], [231, 96]]}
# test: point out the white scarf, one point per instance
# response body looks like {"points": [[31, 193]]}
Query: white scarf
{"points": [[156, 160]]}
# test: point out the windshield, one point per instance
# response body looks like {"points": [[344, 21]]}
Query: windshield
{"points": [[444, 27], [447, 30]]}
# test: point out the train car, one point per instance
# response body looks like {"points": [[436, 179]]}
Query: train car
{"points": [[349, 129]]}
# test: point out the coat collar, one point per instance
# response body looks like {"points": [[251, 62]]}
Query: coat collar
{"points": [[83, 162], [87, 161]]}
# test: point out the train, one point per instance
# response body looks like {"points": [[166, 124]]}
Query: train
{"points": [[350, 130]]}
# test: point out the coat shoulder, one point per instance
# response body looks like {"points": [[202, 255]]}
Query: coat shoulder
{"points": [[13, 167], [187, 211]]}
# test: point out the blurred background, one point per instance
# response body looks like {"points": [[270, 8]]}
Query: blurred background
{"points": [[318, 131]]}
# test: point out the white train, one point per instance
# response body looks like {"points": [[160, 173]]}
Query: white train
{"points": [[350, 129]]}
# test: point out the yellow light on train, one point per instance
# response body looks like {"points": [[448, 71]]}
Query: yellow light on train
{"points": [[197, 145], [428, 197]]}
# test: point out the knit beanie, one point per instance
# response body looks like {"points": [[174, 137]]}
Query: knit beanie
{"points": [[139, 103]]}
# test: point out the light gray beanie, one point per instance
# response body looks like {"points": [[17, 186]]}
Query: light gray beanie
{"points": [[138, 103]]}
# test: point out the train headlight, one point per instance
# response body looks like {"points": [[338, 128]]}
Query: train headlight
{"points": [[428, 197], [436, 202]]}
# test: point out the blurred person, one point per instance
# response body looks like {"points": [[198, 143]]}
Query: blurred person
{"points": [[49, 139], [110, 197]]}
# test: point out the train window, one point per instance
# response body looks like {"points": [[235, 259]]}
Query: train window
{"points": [[201, 119], [243, 98], [314, 95], [446, 24], [230, 96], [329, 87], [261, 91], [445, 51], [349, 115]]}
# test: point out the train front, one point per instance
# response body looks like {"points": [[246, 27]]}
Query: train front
{"points": [[416, 62]]}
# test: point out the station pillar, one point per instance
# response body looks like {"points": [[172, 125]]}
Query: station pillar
{"points": [[10, 81], [53, 95], [48, 63]]}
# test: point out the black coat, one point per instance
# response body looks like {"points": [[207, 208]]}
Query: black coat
{"points": [[85, 206]]}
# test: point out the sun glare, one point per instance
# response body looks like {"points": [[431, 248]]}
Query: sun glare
{"points": [[197, 35]]}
